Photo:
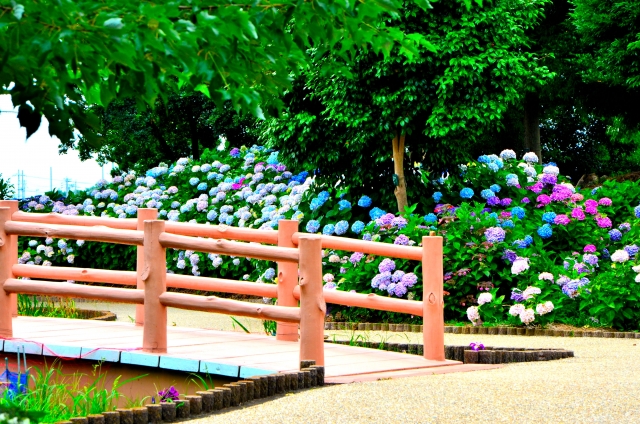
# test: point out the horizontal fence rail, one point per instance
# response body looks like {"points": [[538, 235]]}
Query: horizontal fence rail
{"points": [[370, 301], [233, 248], [89, 275], [222, 232], [370, 247], [232, 307], [108, 235], [85, 221], [61, 289]]}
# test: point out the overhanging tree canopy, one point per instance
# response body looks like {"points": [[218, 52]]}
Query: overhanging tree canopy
{"points": [[55, 55]]}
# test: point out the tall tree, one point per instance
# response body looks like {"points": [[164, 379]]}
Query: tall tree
{"points": [[425, 112], [183, 126], [55, 55]]}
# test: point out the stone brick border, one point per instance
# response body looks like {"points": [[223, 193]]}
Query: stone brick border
{"points": [[213, 400], [505, 331], [490, 355]]}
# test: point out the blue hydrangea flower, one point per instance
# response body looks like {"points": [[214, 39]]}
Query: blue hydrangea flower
{"points": [[437, 196], [528, 239], [323, 196], [364, 202], [344, 205], [508, 224], [315, 203], [269, 274], [341, 227], [631, 250], [484, 159], [430, 218], [487, 193], [495, 188], [62, 244], [636, 211], [466, 193], [357, 227], [518, 211], [212, 215], [202, 186], [273, 158], [548, 217], [494, 167], [615, 235], [545, 231], [328, 229], [194, 181], [376, 213]]}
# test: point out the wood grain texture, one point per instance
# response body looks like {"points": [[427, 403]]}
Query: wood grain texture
{"points": [[371, 247], [54, 288], [231, 307], [126, 278], [84, 221], [233, 248], [370, 301], [222, 232], [103, 234]]}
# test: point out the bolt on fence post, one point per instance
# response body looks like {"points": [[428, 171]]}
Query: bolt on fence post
{"points": [[287, 280], [154, 276], [312, 305], [13, 207], [432, 300], [144, 214], [6, 262]]}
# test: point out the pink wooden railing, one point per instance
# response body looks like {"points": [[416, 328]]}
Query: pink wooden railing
{"points": [[296, 253]]}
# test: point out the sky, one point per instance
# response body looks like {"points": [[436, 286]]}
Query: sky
{"points": [[38, 157]]}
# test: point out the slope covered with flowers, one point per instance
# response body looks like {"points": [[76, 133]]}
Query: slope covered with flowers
{"points": [[521, 243]]}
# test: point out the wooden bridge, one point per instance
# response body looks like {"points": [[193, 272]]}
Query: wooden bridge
{"points": [[299, 313]]}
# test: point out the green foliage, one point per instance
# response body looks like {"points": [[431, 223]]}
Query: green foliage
{"points": [[6, 189], [444, 100], [54, 396], [55, 56], [34, 306], [183, 126]]}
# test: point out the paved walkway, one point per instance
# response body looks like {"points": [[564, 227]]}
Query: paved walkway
{"points": [[600, 385]]}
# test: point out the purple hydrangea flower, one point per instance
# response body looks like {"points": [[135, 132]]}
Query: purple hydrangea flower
{"points": [[401, 240], [387, 265], [494, 235]]}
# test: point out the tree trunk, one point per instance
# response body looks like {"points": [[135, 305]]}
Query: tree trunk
{"points": [[398, 169], [532, 124]]}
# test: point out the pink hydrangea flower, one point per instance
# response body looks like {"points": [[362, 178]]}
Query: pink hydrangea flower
{"points": [[604, 222], [605, 201], [591, 210], [577, 213], [561, 220], [543, 199], [589, 248], [577, 197], [536, 188], [591, 203]]}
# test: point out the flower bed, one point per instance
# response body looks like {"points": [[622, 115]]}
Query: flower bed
{"points": [[522, 245]]}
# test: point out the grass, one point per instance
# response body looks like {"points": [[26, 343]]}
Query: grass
{"points": [[36, 306], [57, 396]]}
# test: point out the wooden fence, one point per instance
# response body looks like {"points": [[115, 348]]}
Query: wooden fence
{"points": [[301, 298]]}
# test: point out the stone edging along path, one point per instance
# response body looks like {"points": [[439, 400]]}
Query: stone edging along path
{"points": [[505, 331], [488, 355]]}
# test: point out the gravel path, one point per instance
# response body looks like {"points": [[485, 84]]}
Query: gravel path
{"points": [[599, 385]]}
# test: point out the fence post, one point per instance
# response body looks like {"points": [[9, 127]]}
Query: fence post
{"points": [[144, 214], [432, 301], [287, 280], [6, 262], [312, 305], [13, 207], [154, 277]]}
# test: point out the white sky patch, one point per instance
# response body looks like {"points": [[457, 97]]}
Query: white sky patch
{"points": [[38, 155]]}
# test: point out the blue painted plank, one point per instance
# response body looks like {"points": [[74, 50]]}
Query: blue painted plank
{"points": [[137, 358], [246, 372], [29, 347], [219, 369], [61, 351], [179, 364], [105, 355]]}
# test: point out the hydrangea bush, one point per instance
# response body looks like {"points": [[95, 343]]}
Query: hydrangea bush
{"points": [[522, 244]]}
